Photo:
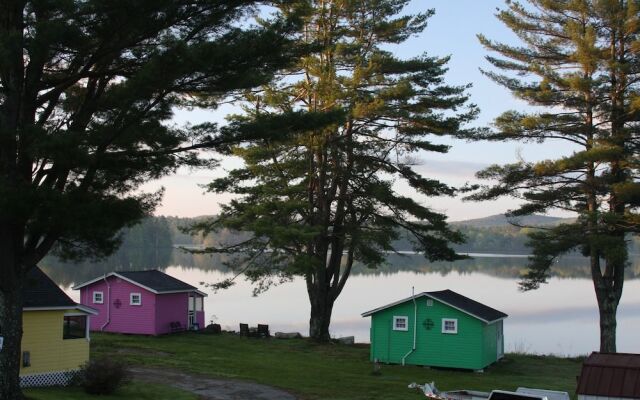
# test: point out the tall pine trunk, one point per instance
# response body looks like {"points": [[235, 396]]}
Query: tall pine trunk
{"points": [[11, 301], [11, 325], [607, 306], [321, 309], [608, 288], [13, 111], [322, 296]]}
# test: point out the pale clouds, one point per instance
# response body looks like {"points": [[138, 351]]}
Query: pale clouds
{"points": [[445, 170], [185, 196]]}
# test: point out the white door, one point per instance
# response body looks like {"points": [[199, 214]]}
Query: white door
{"points": [[192, 314]]}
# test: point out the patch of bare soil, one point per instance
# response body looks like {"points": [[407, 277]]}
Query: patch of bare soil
{"points": [[210, 388]]}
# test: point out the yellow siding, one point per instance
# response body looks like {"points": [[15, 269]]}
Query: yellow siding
{"points": [[42, 337]]}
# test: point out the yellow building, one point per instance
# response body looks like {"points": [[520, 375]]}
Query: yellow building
{"points": [[55, 339]]}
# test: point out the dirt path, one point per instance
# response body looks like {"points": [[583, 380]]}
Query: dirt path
{"points": [[210, 388]]}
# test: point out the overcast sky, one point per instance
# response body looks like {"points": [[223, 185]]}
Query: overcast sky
{"points": [[452, 31]]}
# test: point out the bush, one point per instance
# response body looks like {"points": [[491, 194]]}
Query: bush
{"points": [[102, 376]]}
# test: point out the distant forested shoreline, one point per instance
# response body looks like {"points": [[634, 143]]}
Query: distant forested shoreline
{"points": [[155, 243], [492, 234]]}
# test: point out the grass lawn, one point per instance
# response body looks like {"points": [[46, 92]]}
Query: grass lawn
{"points": [[314, 371], [131, 391]]}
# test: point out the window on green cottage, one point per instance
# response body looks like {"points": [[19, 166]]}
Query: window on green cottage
{"points": [[400, 323], [449, 325]]}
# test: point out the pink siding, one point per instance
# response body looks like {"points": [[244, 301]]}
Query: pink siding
{"points": [[127, 318], [171, 308], [153, 317]]}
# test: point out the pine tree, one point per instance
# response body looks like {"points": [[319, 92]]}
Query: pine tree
{"points": [[86, 92], [321, 199], [578, 62]]}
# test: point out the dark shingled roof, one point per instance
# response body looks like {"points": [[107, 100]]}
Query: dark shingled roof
{"points": [[41, 291], [466, 304], [610, 375], [455, 300], [156, 280]]}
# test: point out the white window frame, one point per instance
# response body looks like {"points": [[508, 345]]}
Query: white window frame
{"points": [[87, 332], [397, 318], [199, 304], [455, 324], [101, 297], [131, 303], [429, 302]]}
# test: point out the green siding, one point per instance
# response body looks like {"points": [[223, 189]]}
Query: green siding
{"points": [[490, 349], [391, 345], [473, 347]]}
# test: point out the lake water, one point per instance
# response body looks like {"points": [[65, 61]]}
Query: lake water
{"points": [[559, 318]]}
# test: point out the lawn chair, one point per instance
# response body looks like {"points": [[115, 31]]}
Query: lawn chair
{"points": [[263, 331], [244, 330], [176, 326]]}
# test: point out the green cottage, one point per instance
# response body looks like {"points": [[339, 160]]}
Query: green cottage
{"points": [[451, 331]]}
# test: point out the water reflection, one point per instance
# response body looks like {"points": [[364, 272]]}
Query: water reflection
{"points": [[501, 266], [559, 318]]}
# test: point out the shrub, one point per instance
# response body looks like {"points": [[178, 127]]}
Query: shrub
{"points": [[102, 376]]}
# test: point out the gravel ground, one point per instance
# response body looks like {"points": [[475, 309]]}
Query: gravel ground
{"points": [[210, 388]]}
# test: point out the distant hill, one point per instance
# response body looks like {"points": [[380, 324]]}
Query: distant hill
{"points": [[499, 220], [151, 243]]}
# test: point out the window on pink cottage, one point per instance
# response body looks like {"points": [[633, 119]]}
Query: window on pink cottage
{"points": [[135, 299], [98, 298]]}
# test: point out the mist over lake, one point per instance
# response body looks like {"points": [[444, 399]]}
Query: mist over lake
{"points": [[560, 318]]}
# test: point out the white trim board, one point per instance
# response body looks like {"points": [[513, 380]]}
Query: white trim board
{"points": [[83, 308]]}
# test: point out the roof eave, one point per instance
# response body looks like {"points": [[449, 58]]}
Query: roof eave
{"points": [[92, 281], [131, 281], [48, 308], [80, 307], [426, 294], [497, 320], [87, 309], [183, 291], [465, 311], [395, 303]]}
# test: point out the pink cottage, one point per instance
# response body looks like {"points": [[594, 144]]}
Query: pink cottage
{"points": [[142, 302]]}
